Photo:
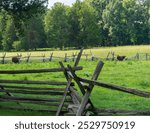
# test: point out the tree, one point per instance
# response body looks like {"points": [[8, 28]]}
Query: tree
{"points": [[115, 23], [75, 24], [100, 6], [57, 26], [34, 36], [84, 28], [89, 34], [126, 22], [8, 34], [21, 10], [138, 17]]}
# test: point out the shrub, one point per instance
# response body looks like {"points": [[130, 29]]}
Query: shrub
{"points": [[17, 45]]}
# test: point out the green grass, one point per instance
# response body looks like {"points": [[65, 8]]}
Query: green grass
{"points": [[102, 52], [133, 74]]}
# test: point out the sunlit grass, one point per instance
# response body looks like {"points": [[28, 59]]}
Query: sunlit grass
{"points": [[133, 74], [101, 52]]}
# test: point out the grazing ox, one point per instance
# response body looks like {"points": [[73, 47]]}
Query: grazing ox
{"points": [[120, 58], [15, 59]]}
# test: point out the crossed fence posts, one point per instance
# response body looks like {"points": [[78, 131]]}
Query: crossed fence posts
{"points": [[81, 104]]}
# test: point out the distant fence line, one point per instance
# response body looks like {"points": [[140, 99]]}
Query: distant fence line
{"points": [[86, 56], [142, 56], [137, 56], [65, 99], [43, 58]]}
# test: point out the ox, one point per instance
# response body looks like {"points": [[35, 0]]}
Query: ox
{"points": [[15, 59], [120, 58]]}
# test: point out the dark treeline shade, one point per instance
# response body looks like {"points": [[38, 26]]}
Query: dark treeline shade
{"points": [[86, 23]]}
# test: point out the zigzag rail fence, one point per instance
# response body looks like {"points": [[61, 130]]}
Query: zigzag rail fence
{"points": [[30, 98], [111, 56], [86, 107], [43, 58], [64, 99], [52, 57]]}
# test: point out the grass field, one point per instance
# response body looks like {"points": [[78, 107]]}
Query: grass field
{"points": [[102, 52], [133, 74]]}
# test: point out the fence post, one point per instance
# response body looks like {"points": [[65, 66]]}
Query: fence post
{"points": [[86, 96], [73, 57], [28, 57], [3, 58], [92, 58], [51, 57], [65, 91], [78, 58], [75, 77], [19, 56], [138, 56], [107, 56], [43, 55], [65, 59], [113, 56], [86, 56], [146, 56]]}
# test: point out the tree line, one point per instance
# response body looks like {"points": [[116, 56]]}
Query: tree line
{"points": [[87, 23]]}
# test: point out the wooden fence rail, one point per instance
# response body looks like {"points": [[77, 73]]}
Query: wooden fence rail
{"points": [[44, 58], [82, 104], [65, 99], [32, 82], [118, 88], [36, 70], [49, 98], [67, 57]]}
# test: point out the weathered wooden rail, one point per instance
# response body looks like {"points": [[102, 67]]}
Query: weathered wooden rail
{"points": [[22, 95], [45, 58], [83, 104], [111, 56], [142, 56], [63, 99]]}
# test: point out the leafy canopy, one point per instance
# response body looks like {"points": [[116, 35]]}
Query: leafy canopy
{"points": [[21, 10]]}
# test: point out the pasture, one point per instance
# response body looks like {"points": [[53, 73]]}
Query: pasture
{"points": [[133, 74], [102, 52]]}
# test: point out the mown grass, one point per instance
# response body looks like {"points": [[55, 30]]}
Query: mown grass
{"points": [[101, 52], [133, 74]]}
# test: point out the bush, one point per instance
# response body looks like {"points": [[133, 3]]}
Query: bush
{"points": [[17, 45]]}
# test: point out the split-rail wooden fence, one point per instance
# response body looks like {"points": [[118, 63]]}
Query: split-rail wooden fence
{"points": [[44, 58], [61, 98], [27, 95]]}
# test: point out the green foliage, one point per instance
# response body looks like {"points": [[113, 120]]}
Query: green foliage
{"points": [[20, 10], [86, 23], [9, 34], [126, 22], [57, 26], [17, 45], [34, 35], [84, 28]]}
